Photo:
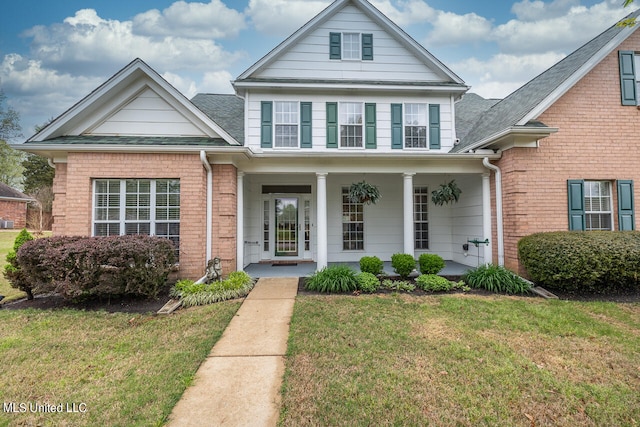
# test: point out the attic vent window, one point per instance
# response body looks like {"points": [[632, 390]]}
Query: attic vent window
{"points": [[351, 46]]}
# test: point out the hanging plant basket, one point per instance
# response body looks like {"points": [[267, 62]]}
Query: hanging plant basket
{"points": [[363, 192], [447, 193]]}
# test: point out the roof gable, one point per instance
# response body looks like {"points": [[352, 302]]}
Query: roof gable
{"points": [[523, 106], [136, 101], [308, 48]]}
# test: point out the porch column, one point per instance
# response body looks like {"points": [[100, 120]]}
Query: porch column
{"points": [[240, 222], [409, 241], [486, 217], [322, 220]]}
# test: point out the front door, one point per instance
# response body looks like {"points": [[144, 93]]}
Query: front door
{"points": [[286, 216]]}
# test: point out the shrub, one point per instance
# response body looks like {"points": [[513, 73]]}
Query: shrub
{"points": [[12, 270], [433, 283], [430, 263], [237, 285], [593, 261], [403, 264], [371, 264], [496, 278], [398, 285], [78, 267], [338, 278], [368, 282]]}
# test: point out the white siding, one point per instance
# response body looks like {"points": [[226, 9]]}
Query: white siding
{"points": [[467, 221], [147, 115], [309, 58], [383, 117]]}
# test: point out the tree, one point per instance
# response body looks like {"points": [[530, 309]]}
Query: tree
{"points": [[37, 173], [627, 22], [10, 159]]}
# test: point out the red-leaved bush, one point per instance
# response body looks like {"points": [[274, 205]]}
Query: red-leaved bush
{"points": [[78, 267]]}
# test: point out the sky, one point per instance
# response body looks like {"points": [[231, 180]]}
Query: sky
{"points": [[55, 52]]}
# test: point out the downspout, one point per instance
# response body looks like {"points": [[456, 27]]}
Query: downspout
{"points": [[50, 161], [499, 222], [207, 166]]}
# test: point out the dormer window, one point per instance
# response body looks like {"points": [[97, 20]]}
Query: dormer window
{"points": [[351, 46]]}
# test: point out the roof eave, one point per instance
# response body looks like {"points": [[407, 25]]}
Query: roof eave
{"points": [[274, 84], [510, 134]]}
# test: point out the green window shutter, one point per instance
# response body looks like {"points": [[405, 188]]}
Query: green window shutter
{"points": [[396, 126], [576, 204], [434, 126], [335, 46], [370, 125], [305, 125], [626, 215], [332, 125], [627, 78], [367, 47], [266, 124]]}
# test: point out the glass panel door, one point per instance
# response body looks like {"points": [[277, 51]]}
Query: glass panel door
{"points": [[286, 226]]}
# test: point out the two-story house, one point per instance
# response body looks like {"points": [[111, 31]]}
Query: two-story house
{"points": [[263, 175]]}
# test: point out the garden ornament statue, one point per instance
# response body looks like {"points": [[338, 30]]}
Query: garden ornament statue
{"points": [[214, 270]]}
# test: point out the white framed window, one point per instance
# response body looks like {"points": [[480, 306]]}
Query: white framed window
{"points": [[351, 124], [415, 126], [286, 119], [598, 207], [352, 223], [421, 217], [351, 46], [137, 206]]}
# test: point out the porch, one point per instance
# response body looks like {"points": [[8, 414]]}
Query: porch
{"points": [[302, 269]]}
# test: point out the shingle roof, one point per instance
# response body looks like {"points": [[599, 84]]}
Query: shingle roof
{"points": [[226, 110], [11, 193], [468, 110], [135, 140], [515, 107]]}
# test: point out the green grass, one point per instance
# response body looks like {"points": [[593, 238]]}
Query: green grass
{"points": [[128, 369], [461, 360]]}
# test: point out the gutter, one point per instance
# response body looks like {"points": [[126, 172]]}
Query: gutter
{"points": [[207, 166], [499, 218]]}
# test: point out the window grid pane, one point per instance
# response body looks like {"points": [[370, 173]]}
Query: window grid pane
{"points": [[286, 124], [352, 223], [107, 207], [421, 217], [351, 121], [597, 205], [265, 227], [415, 126], [351, 46]]}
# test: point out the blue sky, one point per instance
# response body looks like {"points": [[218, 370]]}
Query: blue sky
{"points": [[55, 52]]}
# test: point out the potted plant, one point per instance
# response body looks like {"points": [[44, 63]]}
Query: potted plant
{"points": [[447, 193], [363, 192]]}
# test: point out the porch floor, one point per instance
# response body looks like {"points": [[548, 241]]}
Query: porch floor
{"points": [[302, 269]]}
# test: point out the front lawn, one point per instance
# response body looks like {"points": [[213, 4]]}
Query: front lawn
{"points": [[461, 360], [123, 369]]}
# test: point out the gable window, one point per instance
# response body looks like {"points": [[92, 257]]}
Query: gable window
{"points": [[415, 126], [351, 124], [137, 206], [421, 217], [352, 223], [286, 124], [591, 205], [351, 46]]}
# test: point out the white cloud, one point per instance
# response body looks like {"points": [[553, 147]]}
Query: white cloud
{"points": [[282, 17], [408, 12], [452, 29], [216, 82], [537, 10], [191, 20]]}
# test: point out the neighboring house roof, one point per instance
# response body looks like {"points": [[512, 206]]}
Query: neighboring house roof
{"points": [[116, 92], [226, 110], [374, 14], [468, 109], [520, 109], [8, 193]]}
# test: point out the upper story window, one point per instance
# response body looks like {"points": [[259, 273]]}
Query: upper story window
{"points": [[629, 62], [415, 126], [351, 46], [351, 123], [286, 124]]}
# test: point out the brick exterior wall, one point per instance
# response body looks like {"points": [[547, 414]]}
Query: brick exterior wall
{"points": [[14, 211], [73, 200], [598, 139]]}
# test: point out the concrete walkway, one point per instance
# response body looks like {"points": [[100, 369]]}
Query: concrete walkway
{"points": [[239, 382]]}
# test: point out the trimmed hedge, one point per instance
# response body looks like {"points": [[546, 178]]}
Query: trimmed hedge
{"points": [[430, 263], [592, 261], [371, 264], [78, 267], [403, 264]]}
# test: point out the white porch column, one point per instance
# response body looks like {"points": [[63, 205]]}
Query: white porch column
{"points": [[240, 221], [407, 199], [486, 217], [322, 255]]}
